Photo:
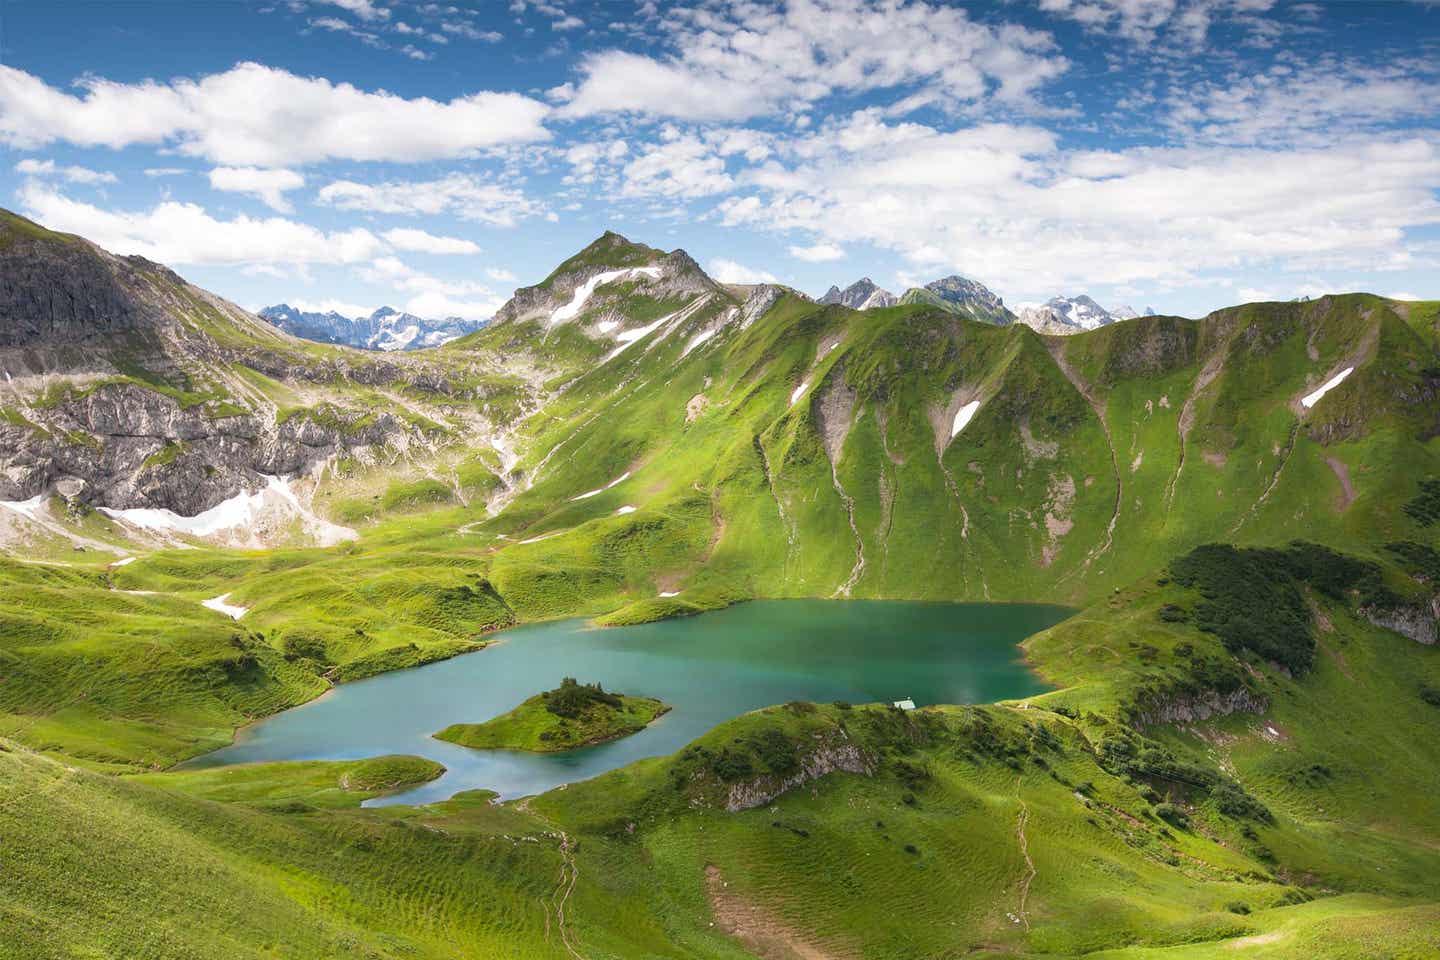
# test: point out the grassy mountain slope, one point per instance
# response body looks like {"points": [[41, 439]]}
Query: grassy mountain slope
{"points": [[774, 447], [1236, 757], [1060, 826]]}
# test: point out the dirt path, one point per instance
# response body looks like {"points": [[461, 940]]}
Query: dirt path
{"points": [[1021, 821], [1342, 473], [561, 896], [761, 933]]}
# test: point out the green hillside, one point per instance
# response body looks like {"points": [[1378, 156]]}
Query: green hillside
{"points": [[1238, 757]]}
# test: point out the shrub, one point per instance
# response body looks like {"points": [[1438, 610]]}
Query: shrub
{"points": [[1430, 695], [304, 646], [730, 765], [776, 751], [571, 698], [1173, 815], [1232, 800], [1424, 507], [1236, 906], [1173, 613]]}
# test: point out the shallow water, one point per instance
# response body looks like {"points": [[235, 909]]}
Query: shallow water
{"points": [[708, 668]]}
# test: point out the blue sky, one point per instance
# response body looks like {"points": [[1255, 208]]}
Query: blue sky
{"points": [[1181, 154]]}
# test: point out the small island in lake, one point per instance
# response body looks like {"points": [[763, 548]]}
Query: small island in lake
{"points": [[572, 715]]}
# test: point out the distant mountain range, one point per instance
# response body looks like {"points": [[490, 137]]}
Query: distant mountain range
{"points": [[953, 294], [1060, 315], [386, 329], [1064, 315]]}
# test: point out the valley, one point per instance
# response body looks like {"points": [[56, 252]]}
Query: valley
{"points": [[1228, 750]]}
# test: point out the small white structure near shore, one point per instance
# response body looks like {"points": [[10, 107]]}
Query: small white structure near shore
{"points": [[906, 704]]}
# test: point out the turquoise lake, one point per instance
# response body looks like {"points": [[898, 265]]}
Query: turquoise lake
{"points": [[709, 668]]}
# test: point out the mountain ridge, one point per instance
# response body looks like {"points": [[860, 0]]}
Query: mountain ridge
{"points": [[384, 329]]}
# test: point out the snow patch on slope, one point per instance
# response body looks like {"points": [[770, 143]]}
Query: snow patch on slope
{"points": [[26, 508], [599, 490], [241, 513], [219, 605], [1309, 400], [583, 293], [963, 417], [795, 394]]}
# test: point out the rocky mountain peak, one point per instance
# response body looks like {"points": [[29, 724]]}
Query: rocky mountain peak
{"points": [[863, 294], [964, 297]]}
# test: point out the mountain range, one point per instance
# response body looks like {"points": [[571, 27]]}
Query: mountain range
{"points": [[1060, 316], [206, 520], [385, 329]]}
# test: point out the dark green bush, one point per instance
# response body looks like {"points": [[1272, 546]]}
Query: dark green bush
{"points": [[1424, 507], [1173, 815], [571, 698]]}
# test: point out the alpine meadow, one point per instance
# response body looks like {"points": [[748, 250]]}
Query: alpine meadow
{"points": [[402, 558]]}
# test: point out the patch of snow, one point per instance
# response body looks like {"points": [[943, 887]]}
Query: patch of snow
{"points": [[1311, 399], [626, 509], [219, 605], [607, 325], [628, 337], [124, 562], [543, 536], [795, 394], [670, 593], [240, 512], [599, 490], [572, 309], [26, 508], [698, 339], [963, 417]]}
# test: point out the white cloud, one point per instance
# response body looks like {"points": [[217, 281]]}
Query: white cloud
{"points": [[364, 9], [468, 32], [467, 197], [48, 168], [269, 186], [678, 166], [183, 233], [1310, 104], [348, 310], [1143, 21], [818, 253], [165, 171], [431, 296], [253, 115], [728, 271], [587, 158], [737, 59], [419, 241], [501, 275], [1006, 205], [569, 22]]}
